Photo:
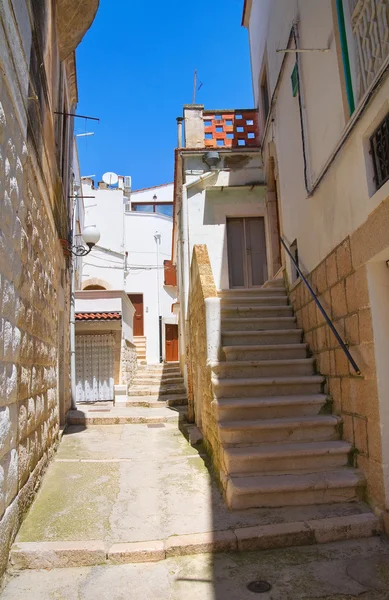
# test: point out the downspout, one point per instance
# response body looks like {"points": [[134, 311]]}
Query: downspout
{"points": [[345, 56]]}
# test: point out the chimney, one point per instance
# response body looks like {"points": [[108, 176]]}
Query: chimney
{"points": [[179, 131], [194, 125], [102, 185]]}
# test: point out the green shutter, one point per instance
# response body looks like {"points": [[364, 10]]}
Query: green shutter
{"points": [[295, 81]]}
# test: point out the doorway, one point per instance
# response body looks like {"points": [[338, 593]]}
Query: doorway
{"points": [[247, 259], [137, 302], [171, 343]]}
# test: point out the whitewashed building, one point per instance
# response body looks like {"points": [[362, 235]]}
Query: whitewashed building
{"points": [[132, 257]]}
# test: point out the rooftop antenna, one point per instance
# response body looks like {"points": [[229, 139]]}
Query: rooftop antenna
{"points": [[110, 178], [195, 88]]}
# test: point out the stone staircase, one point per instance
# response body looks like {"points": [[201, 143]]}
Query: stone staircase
{"points": [[158, 385], [280, 445], [140, 345]]}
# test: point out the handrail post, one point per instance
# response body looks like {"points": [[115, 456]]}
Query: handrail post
{"points": [[322, 310]]}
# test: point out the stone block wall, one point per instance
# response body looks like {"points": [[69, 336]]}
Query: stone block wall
{"points": [[343, 291], [200, 393], [128, 363], [33, 281]]}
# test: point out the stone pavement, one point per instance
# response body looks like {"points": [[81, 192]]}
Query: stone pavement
{"points": [[349, 570]]}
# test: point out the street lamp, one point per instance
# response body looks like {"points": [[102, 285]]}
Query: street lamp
{"points": [[90, 236]]}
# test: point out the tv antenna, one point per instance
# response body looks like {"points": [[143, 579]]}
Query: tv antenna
{"points": [[195, 87], [110, 178]]}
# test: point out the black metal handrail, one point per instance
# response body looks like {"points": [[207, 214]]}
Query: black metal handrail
{"points": [[322, 310]]}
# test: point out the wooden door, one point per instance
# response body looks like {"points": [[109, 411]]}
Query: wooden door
{"points": [[137, 301], [171, 343], [246, 245]]}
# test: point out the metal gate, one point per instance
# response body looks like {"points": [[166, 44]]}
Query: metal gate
{"points": [[94, 368]]}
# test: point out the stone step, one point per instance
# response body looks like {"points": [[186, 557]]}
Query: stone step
{"points": [[342, 485], [274, 283], [286, 457], [241, 311], [263, 368], [124, 415], [281, 351], [155, 402], [257, 324], [259, 338], [271, 407], [291, 429], [248, 301], [168, 390], [266, 386], [148, 379], [253, 292]]}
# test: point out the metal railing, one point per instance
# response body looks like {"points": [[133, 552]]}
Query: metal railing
{"points": [[322, 310]]}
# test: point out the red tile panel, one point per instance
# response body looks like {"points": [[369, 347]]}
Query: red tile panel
{"points": [[231, 129], [103, 316]]}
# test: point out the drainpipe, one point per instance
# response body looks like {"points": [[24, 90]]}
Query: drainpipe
{"points": [[345, 56], [185, 231]]}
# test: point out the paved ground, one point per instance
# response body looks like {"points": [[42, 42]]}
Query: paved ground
{"points": [[343, 571], [127, 483]]}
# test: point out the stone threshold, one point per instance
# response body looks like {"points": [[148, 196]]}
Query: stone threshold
{"points": [[54, 555], [77, 417]]}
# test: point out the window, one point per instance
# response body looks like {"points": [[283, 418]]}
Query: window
{"points": [[379, 145], [162, 208], [265, 96], [295, 254]]}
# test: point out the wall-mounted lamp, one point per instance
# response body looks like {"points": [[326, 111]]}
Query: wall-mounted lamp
{"points": [[90, 235], [211, 158]]}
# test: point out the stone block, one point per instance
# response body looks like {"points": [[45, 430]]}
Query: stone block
{"points": [[200, 543], [343, 259], [332, 270], [325, 300], [352, 329], [312, 315], [357, 291], [344, 528], [360, 396], [8, 428], [9, 475], [360, 434], [338, 300], [365, 326], [364, 355], [323, 363], [341, 363], [9, 525], [348, 429], [136, 552], [276, 535], [56, 555], [321, 338], [319, 278], [374, 440]]}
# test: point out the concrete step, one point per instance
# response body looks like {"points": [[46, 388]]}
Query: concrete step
{"points": [[125, 415], [286, 457], [148, 379], [342, 485], [271, 407], [262, 338], [266, 386], [274, 283], [241, 311], [281, 351], [291, 429], [168, 390], [263, 368], [257, 324]]}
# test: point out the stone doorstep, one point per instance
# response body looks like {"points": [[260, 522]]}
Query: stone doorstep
{"points": [[105, 419], [50, 555]]}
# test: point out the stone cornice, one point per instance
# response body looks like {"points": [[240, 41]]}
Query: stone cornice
{"points": [[73, 20]]}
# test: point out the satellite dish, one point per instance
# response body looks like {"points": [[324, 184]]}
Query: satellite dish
{"points": [[110, 178]]}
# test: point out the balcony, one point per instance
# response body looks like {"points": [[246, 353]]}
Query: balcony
{"points": [[73, 21]]}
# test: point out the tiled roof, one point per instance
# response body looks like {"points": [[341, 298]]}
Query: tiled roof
{"points": [[98, 316]]}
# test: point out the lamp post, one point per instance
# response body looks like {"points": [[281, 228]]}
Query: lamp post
{"points": [[90, 237]]}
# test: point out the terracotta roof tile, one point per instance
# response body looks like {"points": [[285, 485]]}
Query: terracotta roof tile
{"points": [[98, 316]]}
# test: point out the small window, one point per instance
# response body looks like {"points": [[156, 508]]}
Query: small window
{"points": [[240, 129], [251, 136], [229, 123], [220, 142], [143, 207], [208, 136], [218, 117], [379, 144], [295, 254], [207, 123], [265, 96], [241, 142], [250, 122], [219, 129], [238, 117], [230, 136]]}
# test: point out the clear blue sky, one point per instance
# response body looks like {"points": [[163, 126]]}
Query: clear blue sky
{"points": [[135, 72]]}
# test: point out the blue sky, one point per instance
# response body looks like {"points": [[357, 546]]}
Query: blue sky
{"points": [[135, 72]]}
